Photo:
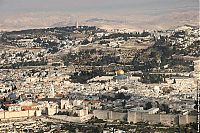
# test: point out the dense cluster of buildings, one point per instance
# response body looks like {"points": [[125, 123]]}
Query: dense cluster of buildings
{"points": [[22, 57], [38, 89]]}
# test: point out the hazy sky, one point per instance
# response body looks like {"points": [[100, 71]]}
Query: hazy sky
{"points": [[13, 6], [140, 14]]}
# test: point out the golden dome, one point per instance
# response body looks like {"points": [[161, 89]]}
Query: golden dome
{"points": [[120, 72]]}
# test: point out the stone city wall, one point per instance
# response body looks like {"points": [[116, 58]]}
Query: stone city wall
{"points": [[118, 116], [101, 114], [192, 119], [17, 114], [110, 115], [166, 119]]}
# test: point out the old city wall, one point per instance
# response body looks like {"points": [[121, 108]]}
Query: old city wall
{"points": [[134, 117], [101, 114], [192, 119], [17, 114], [2, 114], [152, 118], [166, 119], [118, 116], [183, 119], [147, 117], [14, 114], [110, 115]]}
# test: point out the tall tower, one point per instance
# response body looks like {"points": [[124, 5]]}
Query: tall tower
{"points": [[52, 91], [197, 78], [76, 24]]}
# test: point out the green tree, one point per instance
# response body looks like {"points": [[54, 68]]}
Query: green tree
{"points": [[148, 105]]}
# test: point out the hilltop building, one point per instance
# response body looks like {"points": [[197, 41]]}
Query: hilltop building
{"points": [[120, 75]]}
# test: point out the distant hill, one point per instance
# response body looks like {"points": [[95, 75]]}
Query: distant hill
{"points": [[133, 20]]}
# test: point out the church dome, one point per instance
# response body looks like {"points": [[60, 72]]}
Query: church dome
{"points": [[120, 72]]}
